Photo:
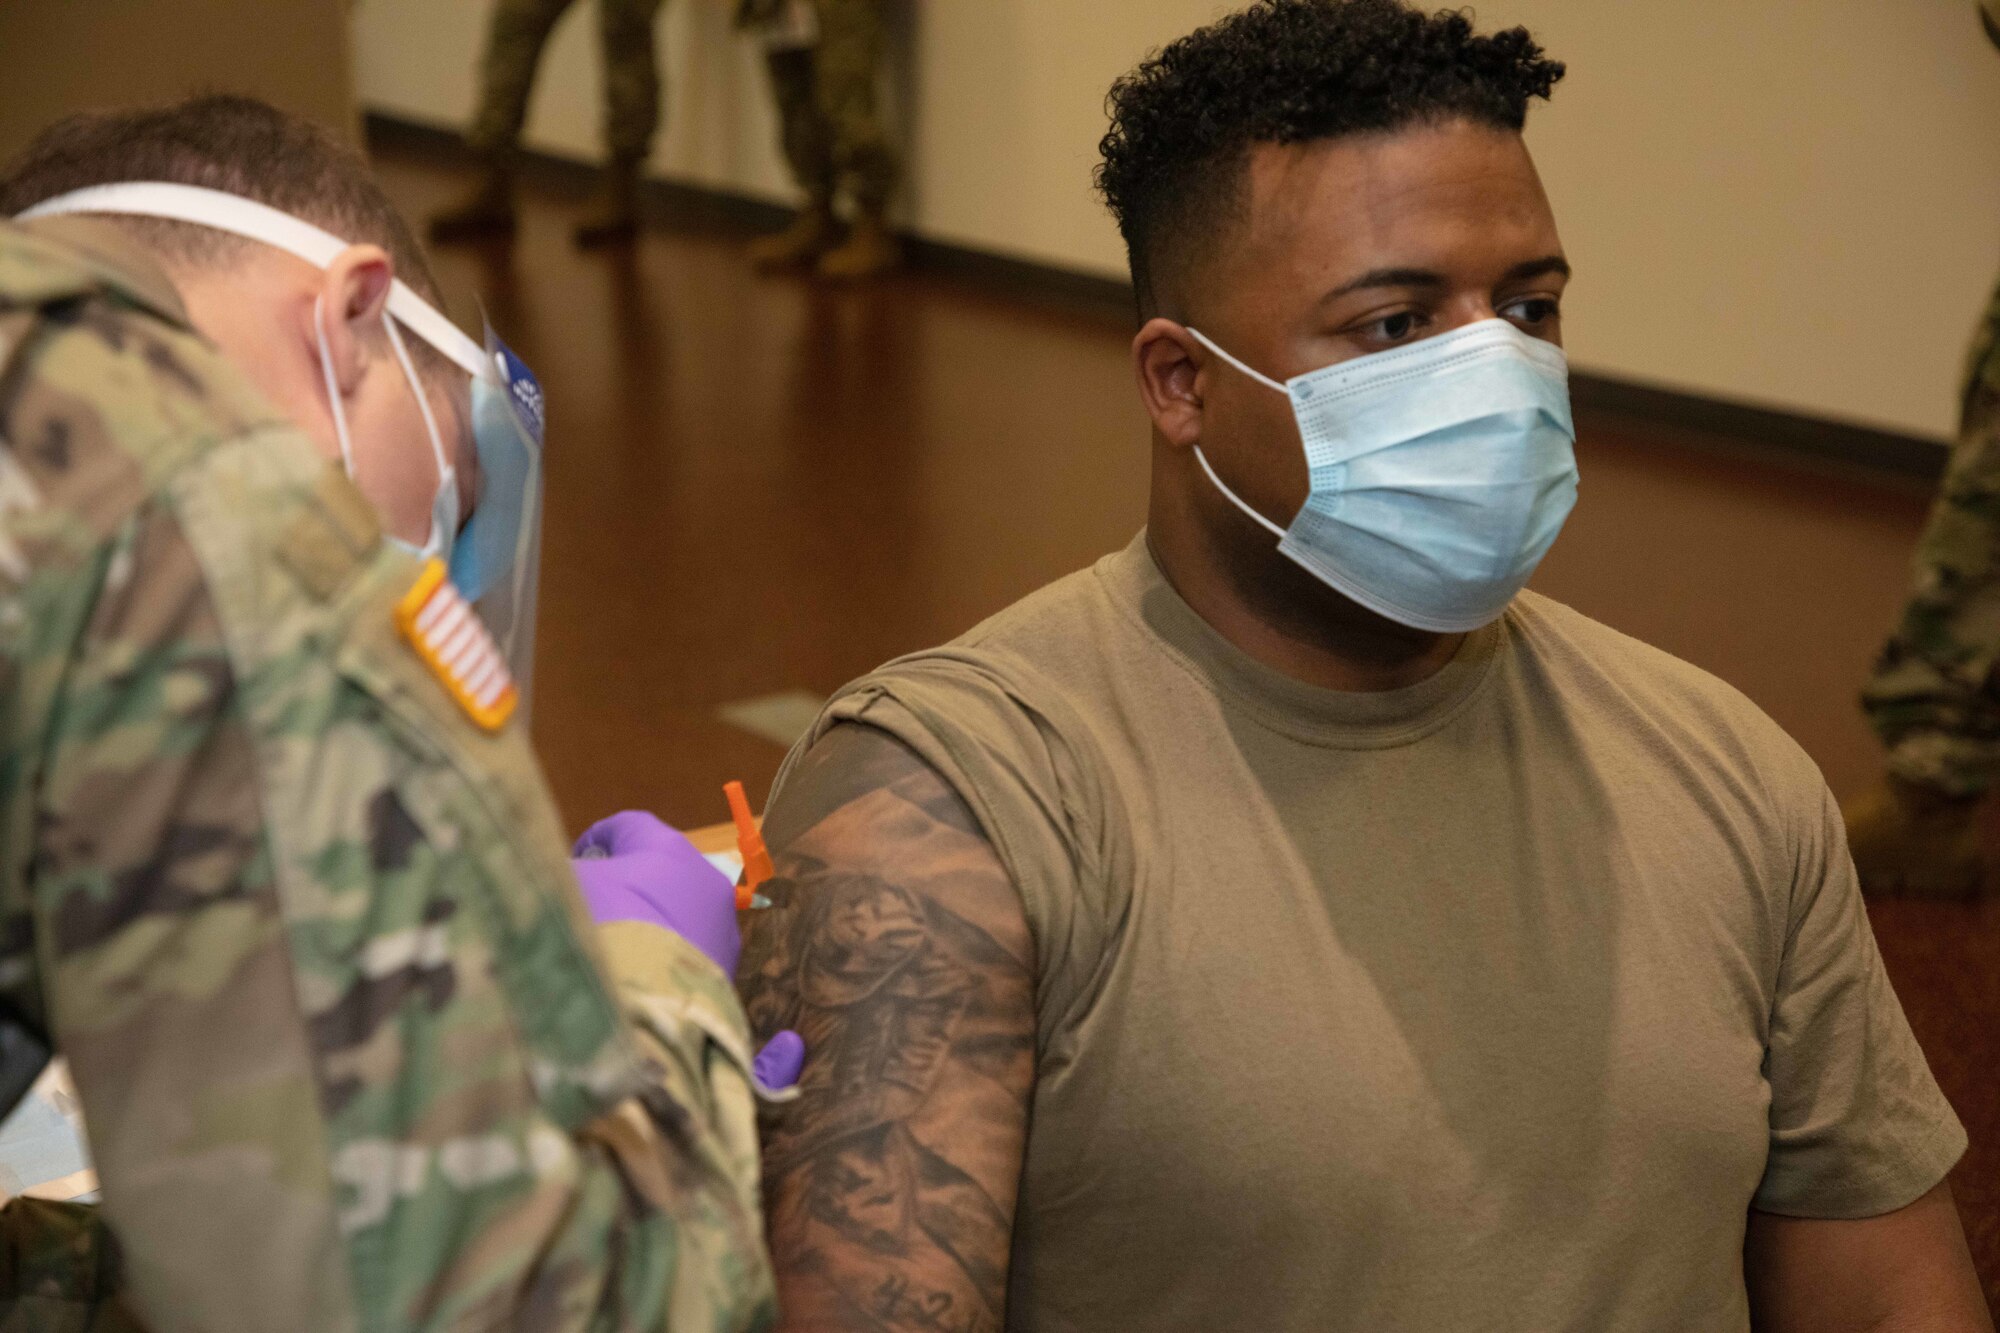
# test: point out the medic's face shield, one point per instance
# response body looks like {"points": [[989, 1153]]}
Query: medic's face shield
{"points": [[497, 560], [495, 556]]}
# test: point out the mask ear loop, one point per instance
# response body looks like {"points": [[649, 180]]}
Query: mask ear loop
{"points": [[444, 465], [1236, 499], [447, 471], [332, 387], [1257, 375], [1202, 458]]}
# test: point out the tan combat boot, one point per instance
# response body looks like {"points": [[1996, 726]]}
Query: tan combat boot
{"points": [[614, 220], [811, 234], [871, 249], [1912, 841], [485, 213]]}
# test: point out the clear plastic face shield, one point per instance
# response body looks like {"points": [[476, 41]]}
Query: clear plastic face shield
{"points": [[494, 556]]}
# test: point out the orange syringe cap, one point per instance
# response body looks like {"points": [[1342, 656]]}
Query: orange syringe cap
{"points": [[757, 867]]}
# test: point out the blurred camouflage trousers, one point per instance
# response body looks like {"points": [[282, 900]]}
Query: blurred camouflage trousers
{"points": [[1935, 696], [631, 75], [833, 134]]}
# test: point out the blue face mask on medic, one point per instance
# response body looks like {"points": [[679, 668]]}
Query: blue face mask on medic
{"points": [[494, 558], [1441, 472]]}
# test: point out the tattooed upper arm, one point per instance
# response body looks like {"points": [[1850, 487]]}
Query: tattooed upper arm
{"points": [[897, 946]]}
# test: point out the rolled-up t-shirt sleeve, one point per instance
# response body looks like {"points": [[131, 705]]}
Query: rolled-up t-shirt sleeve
{"points": [[1858, 1125], [1017, 768]]}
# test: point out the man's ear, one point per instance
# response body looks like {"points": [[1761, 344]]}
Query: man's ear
{"points": [[1169, 362], [347, 313]]}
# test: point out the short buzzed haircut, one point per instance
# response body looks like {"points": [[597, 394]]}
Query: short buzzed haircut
{"points": [[1284, 72], [238, 145]]}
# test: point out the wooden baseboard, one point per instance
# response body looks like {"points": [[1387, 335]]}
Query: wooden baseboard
{"points": [[1806, 438]]}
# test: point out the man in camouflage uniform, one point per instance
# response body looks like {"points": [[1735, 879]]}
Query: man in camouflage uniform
{"points": [[350, 1052], [514, 43], [1935, 695], [824, 56]]}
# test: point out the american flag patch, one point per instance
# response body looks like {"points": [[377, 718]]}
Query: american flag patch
{"points": [[452, 641]]}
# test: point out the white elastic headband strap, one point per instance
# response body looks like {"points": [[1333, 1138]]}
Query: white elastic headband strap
{"points": [[1257, 375], [260, 222]]}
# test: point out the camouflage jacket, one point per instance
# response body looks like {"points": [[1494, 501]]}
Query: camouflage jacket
{"points": [[350, 1055]]}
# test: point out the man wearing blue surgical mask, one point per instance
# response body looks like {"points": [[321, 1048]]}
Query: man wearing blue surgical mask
{"points": [[1290, 923]]}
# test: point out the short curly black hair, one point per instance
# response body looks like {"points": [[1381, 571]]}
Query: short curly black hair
{"points": [[1288, 71]]}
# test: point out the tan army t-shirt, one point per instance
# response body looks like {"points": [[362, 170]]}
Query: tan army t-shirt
{"points": [[1494, 1002]]}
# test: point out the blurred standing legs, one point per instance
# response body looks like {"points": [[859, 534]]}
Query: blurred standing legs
{"points": [[835, 143], [514, 45]]}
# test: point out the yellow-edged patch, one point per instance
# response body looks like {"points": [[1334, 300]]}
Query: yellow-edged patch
{"points": [[452, 641]]}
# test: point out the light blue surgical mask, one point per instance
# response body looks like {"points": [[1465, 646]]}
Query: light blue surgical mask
{"points": [[1441, 472]]}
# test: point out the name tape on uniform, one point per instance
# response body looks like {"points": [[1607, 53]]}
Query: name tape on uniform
{"points": [[453, 642]]}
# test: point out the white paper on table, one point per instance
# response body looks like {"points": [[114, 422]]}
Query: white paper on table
{"points": [[43, 1148]]}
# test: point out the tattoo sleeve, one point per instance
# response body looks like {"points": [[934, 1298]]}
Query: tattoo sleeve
{"points": [[897, 946]]}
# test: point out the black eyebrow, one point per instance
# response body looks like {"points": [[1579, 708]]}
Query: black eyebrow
{"points": [[1387, 277], [1538, 268], [1423, 277]]}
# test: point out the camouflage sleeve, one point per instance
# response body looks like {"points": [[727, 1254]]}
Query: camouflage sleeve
{"points": [[692, 1027], [158, 926], [306, 934]]}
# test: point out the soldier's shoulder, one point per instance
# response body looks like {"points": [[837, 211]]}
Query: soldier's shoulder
{"points": [[49, 263], [94, 344]]}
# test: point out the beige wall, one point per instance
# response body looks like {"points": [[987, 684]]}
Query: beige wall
{"points": [[1790, 204], [77, 55]]}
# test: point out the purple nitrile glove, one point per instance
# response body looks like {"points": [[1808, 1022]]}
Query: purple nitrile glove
{"points": [[634, 868], [778, 1065]]}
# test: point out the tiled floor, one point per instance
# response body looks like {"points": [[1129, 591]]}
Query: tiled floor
{"points": [[760, 486]]}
